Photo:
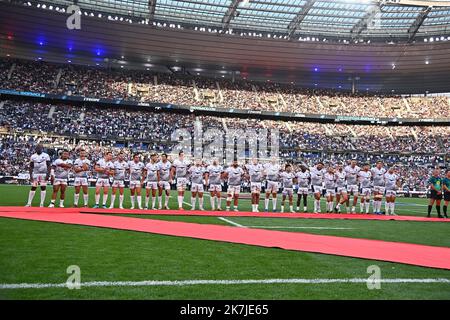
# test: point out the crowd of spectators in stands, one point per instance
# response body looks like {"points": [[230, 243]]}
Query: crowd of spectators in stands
{"points": [[193, 90]]}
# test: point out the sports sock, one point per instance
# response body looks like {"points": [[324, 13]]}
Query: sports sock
{"points": [[438, 210], [76, 197], [180, 201], [86, 199], [43, 193], [212, 200], [367, 207], [166, 200], [105, 197], [147, 199], [61, 203], [153, 202], [132, 200], [113, 199], [444, 208], [274, 203], [193, 202], [31, 196], [160, 201], [97, 198], [139, 201], [392, 207], [429, 209], [121, 200], [200, 200], [266, 203]]}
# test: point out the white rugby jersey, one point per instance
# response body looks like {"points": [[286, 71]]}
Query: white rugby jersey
{"points": [[288, 179], [303, 179], [196, 173], [135, 170], [340, 179], [316, 176], [391, 181], [329, 180], [378, 176], [352, 175], [272, 172], [40, 162], [255, 172], [215, 174], [120, 168], [181, 168], [164, 170], [152, 171], [60, 172], [79, 164], [364, 178], [102, 163], [234, 176]]}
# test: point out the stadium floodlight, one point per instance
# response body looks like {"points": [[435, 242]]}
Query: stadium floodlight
{"points": [[427, 62], [50, 7]]}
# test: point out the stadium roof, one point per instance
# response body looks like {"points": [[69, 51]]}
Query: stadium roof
{"points": [[152, 35], [294, 18]]}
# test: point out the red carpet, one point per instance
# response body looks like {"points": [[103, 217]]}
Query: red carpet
{"points": [[420, 255], [227, 214]]}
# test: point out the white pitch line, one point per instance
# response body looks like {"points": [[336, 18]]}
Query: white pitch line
{"points": [[231, 222], [155, 283], [295, 227]]}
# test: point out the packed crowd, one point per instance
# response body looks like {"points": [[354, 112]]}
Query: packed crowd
{"points": [[191, 90], [156, 129]]}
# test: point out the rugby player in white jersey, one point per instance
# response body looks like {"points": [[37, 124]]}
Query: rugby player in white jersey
{"points": [[197, 173], [151, 170], [341, 190], [164, 181], [180, 171], [105, 169], [120, 168], [61, 168], [391, 180], [317, 173], [287, 179], [137, 176], [234, 174], [303, 183], [272, 173], [329, 179], [351, 176], [81, 168], [378, 186], [40, 168], [365, 179], [215, 173], [255, 175]]}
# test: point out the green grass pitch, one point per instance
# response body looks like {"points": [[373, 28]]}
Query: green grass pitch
{"points": [[40, 252]]}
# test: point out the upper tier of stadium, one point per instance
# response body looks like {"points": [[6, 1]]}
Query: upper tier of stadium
{"points": [[193, 90]]}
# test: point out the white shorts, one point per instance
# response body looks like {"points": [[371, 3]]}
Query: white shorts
{"points": [[391, 193], [341, 190], [255, 187], [39, 179], [102, 182], [272, 186], [330, 192], [197, 187], [164, 185], [288, 191], [232, 190], [215, 187], [135, 184], [303, 190], [181, 183], [80, 181], [58, 182], [379, 189], [118, 184], [151, 185], [366, 192], [317, 189], [354, 189]]}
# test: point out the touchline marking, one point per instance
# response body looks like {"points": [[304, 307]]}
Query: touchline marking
{"points": [[294, 227], [155, 283], [232, 222]]}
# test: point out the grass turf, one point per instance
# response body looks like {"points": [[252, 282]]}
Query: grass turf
{"points": [[39, 252]]}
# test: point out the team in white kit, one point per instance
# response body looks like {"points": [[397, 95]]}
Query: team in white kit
{"points": [[338, 184]]}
